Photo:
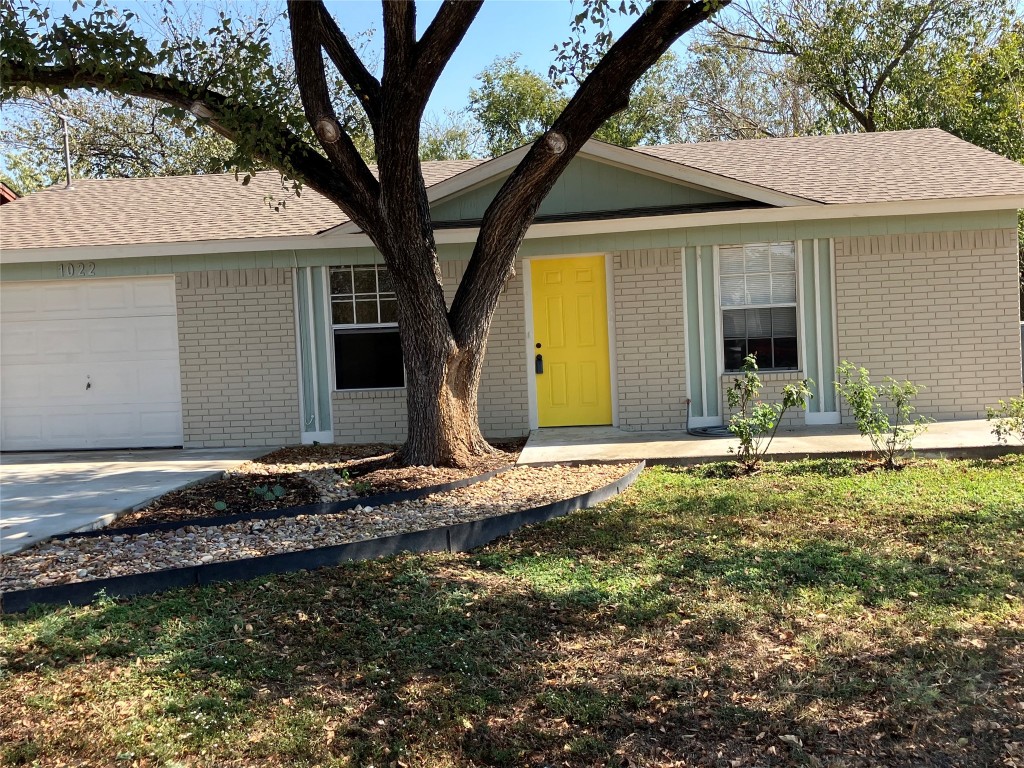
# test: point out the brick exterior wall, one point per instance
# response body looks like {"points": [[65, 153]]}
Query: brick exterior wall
{"points": [[649, 340], [239, 379], [940, 309], [503, 400], [369, 416]]}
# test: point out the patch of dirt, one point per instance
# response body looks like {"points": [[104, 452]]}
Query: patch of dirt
{"points": [[308, 474], [239, 493]]}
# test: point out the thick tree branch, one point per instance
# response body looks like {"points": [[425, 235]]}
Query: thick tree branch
{"points": [[439, 42], [344, 57], [604, 92], [227, 119], [399, 21], [316, 103]]}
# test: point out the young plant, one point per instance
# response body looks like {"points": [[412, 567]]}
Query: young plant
{"points": [[1008, 420], [755, 423], [266, 493], [892, 431]]}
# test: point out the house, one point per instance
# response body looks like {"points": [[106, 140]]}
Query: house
{"points": [[188, 311], [7, 195]]}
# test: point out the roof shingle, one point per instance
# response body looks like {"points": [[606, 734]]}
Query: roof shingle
{"points": [[925, 164], [851, 168]]}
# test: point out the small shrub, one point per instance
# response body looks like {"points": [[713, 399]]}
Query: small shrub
{"points": [[756, 422], [891, 432], [1008, 420], [266, 493]]}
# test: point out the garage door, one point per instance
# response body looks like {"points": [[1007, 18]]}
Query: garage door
{"points": [[89, 364]]}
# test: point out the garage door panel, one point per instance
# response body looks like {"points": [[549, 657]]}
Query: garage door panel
{"points": [[156, 296], [23, 429], [90, 364]]}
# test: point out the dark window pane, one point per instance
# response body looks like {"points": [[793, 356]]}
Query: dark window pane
{"points": [[365, 279], [341, 312], [366, 312], [762, 350], [341, 280], [759, 324], [734, 324], [735, 351], [368, 359], [388, 311], [784, 321], [785, 352], [384, 282]]}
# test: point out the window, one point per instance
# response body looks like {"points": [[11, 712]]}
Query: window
{"points": [[364, 315], [758, 296]]}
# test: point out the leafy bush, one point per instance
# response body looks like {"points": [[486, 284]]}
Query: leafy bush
{"points": [[756, 422], [891, 432], [1008, 419]]}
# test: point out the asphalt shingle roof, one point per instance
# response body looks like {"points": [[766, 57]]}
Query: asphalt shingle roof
{"points": [[925, 164], [173, 209], [852, 168]]}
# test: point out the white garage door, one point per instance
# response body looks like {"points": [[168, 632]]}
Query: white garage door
{"points": [[89, 364]]}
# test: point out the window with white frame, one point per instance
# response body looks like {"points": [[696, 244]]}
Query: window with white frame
{"points": [[757, 285], [364, 316]]}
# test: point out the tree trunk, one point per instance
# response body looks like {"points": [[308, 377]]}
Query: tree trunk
{"points": [[442, 374]]}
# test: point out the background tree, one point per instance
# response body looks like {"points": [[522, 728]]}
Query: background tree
{"points": [[514, 105], [232, 83], [110, 137]]}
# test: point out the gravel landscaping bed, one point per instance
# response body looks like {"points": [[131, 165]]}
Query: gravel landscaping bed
{"points": [[84, 558], [307, 474]]}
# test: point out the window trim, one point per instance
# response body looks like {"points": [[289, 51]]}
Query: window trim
{"points": [[719, 315], [335, 328]]}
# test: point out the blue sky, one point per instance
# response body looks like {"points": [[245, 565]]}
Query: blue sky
{"points": [[529, 27]]}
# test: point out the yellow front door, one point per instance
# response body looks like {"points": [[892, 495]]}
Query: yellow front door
{"points": [[570, 334]]}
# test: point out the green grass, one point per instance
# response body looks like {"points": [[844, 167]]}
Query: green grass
{"points": [[870, 618]]}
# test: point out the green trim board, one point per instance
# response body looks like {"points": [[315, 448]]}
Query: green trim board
{"points": [[312, 322], [701, 329], [307, 366], [818, 346]]}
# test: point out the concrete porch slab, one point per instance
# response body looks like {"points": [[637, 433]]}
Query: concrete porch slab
{"points": [[565, 444], [44, 494]]}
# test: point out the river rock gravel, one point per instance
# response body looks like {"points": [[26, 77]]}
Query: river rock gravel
{"points": [[87, 558]]}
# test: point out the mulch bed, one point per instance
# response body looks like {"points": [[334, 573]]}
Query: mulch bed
{"points": [[307, 474]]}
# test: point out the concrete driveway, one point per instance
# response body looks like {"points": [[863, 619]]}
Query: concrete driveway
{"points": [[43, 494]]}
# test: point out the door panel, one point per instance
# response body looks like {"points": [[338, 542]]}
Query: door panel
{"points": [[570, 324]]}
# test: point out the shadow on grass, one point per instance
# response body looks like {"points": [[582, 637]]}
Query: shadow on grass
{"points": [[651, 630]]}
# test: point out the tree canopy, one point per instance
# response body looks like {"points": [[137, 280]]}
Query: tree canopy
{"points": [[231, 80]]}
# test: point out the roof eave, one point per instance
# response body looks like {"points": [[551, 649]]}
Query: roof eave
{"points": [[295, 245]]}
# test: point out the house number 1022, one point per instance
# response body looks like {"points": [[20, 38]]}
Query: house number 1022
{"points": [[77, 269]]}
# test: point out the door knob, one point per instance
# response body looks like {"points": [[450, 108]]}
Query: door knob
{"points": [[538, 363]]}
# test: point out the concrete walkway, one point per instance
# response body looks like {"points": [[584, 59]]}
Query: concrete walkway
{"points": [[952, 438], [43, 494]]}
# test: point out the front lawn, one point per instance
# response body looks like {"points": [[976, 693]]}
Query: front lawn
{"points": [[813, 614]]}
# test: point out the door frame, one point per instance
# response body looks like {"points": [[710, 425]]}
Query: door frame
{"points": [[531, 377]]}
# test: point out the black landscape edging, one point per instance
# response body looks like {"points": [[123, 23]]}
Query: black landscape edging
{"points": [[322, 508], [460, 537]]}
